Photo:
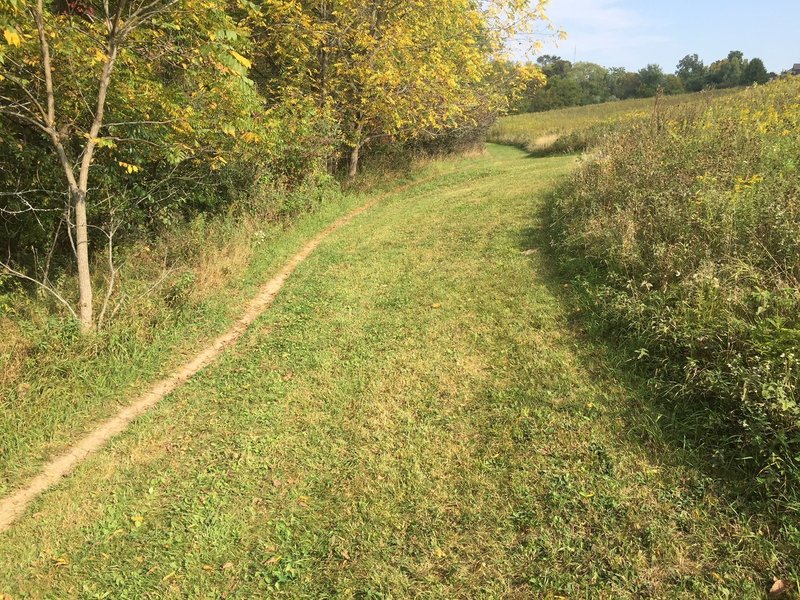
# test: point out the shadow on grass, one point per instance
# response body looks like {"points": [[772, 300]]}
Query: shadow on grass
{"points": [[691, 433], [555, 149]]}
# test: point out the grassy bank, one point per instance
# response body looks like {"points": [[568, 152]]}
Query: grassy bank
{"points": [[416, 416], [685, 236], [177, 292], [578, 128]]}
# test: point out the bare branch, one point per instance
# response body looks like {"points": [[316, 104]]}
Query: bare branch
{"points": [[47, 288], [51, 103], [26, 118]]}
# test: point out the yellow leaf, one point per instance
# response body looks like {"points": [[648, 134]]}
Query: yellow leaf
{"points": [[241, 59], [12, 37], [130, 169], [100, 56], [778, 588]]}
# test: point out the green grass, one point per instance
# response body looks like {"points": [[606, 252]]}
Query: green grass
{"points": [[685, 235], [577, 128], [56, 384], [416, 416]]}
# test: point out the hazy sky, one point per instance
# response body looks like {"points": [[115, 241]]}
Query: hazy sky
{"points": [[632, 33]]}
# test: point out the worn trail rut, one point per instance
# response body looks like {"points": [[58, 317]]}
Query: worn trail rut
{"points": [[13, 506]]}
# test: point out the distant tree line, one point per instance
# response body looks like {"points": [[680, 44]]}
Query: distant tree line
{"points": [[581, 83]]}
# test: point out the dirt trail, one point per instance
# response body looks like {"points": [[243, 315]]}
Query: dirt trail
{"points": [[13, 506]]}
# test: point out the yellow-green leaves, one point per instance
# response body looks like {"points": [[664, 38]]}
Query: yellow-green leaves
{"points": [[241, 59], [12, 37], [13, 26], [129, 167], [399, 69], [99, 56]]}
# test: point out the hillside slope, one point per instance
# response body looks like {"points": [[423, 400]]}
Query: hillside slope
{"points": [[416, 416]]}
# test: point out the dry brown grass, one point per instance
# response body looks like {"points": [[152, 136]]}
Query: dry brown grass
{"points": [[13, 349], [219, 262]]}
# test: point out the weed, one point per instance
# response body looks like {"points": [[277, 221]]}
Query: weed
{"points": [[581, 128], [684, 236]]}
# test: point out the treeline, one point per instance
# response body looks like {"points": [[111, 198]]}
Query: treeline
{"points": [[120, 118], [582, 83]]}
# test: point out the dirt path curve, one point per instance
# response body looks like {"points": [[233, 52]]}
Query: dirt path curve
{"points": [[13, 506]]}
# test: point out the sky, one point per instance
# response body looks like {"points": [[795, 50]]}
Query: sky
{"points": [[633, 33]]}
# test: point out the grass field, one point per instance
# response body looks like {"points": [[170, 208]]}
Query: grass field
{"points": [[575, 128], [54, 389], [418, 415]]}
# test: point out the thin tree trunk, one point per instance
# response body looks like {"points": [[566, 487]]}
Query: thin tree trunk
{"points": [[355, 151], [354, 156], [85, 304]]}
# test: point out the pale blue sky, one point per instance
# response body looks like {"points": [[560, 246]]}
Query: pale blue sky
{"points": [[630, 33]]}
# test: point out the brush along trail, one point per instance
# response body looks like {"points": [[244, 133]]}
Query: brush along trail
{"points": [[418, 414]]}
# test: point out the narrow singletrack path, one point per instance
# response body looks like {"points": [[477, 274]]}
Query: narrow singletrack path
{"points": [[14, 505], [419, 414]]}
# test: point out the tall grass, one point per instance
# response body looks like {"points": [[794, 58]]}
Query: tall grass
{"points": [[581, 127], [684, 232]]}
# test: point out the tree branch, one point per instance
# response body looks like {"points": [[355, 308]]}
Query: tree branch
{"points": [[49, 289]]}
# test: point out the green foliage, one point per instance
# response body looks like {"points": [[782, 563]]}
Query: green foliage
{"points": [[692, 72], [755, 72], [685, 233], [583, 83], [396, 72], [191, 125], [185, 131]]}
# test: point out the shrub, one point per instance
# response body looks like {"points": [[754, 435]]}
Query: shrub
{"points": [[684, 232]]}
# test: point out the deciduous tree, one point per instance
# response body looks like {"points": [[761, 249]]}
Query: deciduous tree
{"points": [[392, 69], [66, 70]]}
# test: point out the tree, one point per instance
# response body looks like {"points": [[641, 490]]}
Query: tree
{"points": [[692, 72], [391, 69], [68, 66], [554, 66], [672, 85], [652, 78], [593, 82], [728, 72], [624, 84], [755, 72]]}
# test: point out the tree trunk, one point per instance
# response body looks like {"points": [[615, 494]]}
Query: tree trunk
{"points": [[354, 156], [82, 255]]}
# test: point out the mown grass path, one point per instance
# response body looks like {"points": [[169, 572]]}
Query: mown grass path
{"points": [[415, 416]]}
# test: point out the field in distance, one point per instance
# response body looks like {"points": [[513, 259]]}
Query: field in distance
{"points": [[580, 127]]}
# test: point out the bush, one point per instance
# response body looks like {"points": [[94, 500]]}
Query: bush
{"points": [[684, 232]]}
